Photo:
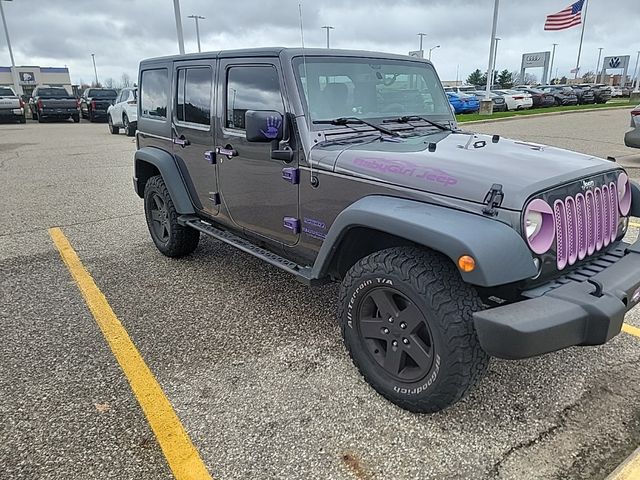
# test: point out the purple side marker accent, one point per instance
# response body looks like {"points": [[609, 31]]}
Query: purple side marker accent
{"points": [[292, 224], [291, 175]]}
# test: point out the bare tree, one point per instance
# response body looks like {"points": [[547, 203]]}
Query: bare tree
{"points": [[589, 77], [109, 83], [125, 80]]}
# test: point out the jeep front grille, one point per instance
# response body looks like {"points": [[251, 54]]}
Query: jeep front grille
{"points": [[585, 223]]}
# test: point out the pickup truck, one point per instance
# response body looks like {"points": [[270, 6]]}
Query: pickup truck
{"points": [[11, 106], [95, 102], [53, 103]]}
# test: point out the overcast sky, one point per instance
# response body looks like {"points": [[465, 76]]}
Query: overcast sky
{"points": [[122, 32]]}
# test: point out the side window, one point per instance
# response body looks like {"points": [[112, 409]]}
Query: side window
{"points": [[251, 88], [193, 103], [153, 101]]}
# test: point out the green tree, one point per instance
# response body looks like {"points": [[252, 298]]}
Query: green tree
{"points": [[505, 79], [476, 78]]}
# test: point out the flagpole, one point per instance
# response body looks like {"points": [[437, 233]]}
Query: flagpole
{"points": [[584, 22]]}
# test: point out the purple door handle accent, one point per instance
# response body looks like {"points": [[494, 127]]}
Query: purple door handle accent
{"points": [[291, 175], [227, 151], [210, 157], [183, 142]]}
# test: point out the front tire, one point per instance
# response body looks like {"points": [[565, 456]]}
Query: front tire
{"points": [[129, 129], [23, 119], [406, 319], [112, 128], [171, 238]]}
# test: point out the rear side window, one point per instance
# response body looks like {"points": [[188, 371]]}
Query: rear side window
{"points": [[251, 88], [193, 102], [154, 86], [6, 92]]}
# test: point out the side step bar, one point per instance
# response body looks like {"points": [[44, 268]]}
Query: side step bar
{"points": [[302, 274]]}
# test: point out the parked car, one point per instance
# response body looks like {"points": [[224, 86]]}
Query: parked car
{"points": [[11, 106], [124, 112], [95, 102], [616, 91], [449, 246], [53, 103], [585, 94], [463, 103], [563, 95], [499, 103], [632, 137], [540, 99], [515, 100], [602, 92]]}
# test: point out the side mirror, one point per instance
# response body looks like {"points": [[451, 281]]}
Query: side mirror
{"points": [[263, 125]]}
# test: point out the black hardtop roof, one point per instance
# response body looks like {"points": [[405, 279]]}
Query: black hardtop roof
{"points": [[281, 51]]}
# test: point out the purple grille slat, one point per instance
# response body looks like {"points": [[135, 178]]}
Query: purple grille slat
{"points": [[581, 220], [561, 234], [572, 229], [598, 220], [615, 213], [606, 216], [591, 214]]}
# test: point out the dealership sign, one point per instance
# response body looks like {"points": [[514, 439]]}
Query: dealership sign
{"points": [[536, 60], [27, 78]]}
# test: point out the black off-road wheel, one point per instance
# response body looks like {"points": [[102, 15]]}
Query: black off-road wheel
{"points": [[112, 128], [76, 118], [406, 319], [171, 238], [129, 130]]}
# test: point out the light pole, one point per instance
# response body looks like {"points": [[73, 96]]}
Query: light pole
{"points": [[421, 35], [176, 12], [196, 18], [636, 74], [431, 50], [327, 28], [14, 73], [95, 71], [598, 64], [553, 57], [495, 59], [486, 104]]}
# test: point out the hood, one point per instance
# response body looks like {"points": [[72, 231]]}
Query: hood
{"points": [[463, 165]]}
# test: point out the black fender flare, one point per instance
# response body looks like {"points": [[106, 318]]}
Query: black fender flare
{"points": [[501, 254], [166, 165], [635, 199]]}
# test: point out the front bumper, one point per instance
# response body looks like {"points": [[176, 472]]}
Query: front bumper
{"points": [[632, 138], [584, 307]]}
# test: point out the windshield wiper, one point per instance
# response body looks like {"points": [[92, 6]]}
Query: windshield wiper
{"points": [[356, 120], [409, 118]]}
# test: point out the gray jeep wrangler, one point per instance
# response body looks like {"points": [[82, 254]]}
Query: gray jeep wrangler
{"points": [[348, 166]]}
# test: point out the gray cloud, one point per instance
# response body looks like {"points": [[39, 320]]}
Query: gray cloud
{"points": [[122, 32]]}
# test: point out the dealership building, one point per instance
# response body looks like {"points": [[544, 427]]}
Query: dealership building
{"points": [[30, 77]]}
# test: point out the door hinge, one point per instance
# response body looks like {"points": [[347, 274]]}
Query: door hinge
{"points": [[292, 224], [210, 157], [493, 199], [291, 175], [214, 197]]}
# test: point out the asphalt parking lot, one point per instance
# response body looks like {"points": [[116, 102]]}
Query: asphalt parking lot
{"points": [[252, 361]]}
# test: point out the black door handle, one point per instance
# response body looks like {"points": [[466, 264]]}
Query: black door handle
{"points": [[181, 140]]}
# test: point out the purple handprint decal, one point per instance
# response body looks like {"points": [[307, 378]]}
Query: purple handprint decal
{"points": [[273, 127]]}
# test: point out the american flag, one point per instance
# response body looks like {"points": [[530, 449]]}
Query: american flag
{"points": [[567, 18]]}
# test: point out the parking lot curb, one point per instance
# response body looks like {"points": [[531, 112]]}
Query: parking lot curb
{"points": [[627, 470], [549, 114]]}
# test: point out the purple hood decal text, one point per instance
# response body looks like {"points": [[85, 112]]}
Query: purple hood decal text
{"points": [[405, 168]]}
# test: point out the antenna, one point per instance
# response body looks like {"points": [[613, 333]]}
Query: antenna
{"points": [[313, 180]]}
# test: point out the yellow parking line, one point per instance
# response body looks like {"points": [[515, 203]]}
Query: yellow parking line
{"points": [[182, 457], [634, 224], [630, 329], [629, 469]]}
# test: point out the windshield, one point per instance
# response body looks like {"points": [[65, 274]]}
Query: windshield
{"points": [[102, 93], [6, 92], [334, 87], [53, 92]]}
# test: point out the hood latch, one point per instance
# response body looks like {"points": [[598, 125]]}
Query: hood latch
{"points": [[493, 199]]}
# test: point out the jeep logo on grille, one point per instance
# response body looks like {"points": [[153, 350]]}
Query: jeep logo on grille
{"points": [[588, 184]]}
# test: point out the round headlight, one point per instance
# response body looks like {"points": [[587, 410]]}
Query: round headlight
{"points": [[539, 226], [624, 194]]}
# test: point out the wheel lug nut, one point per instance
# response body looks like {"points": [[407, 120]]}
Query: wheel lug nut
{"points": [[405, 341], [394, 343], [403, 325], [385, 330]]}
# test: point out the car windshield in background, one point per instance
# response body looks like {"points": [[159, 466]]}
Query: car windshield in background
{"points": [[103, 93], [53, 92], [6, 92], [369, 88]]}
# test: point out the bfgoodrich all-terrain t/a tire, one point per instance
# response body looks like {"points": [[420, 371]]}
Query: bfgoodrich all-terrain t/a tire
{"points": [[406, 319], [171, 238]]}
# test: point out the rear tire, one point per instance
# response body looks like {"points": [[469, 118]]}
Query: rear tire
{"points": [[40, 118], [129, 129], [76, 118], [91, 117], [171, 238], [406, 320], [23, 119], [112, 128]]}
